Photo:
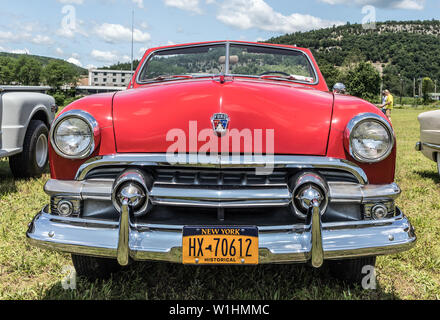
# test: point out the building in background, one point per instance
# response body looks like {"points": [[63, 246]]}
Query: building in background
{"points": [[435, 96], [109, 78]]}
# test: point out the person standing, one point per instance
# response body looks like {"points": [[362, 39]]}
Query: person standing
{"points": [[384, 100], [389, 104]]}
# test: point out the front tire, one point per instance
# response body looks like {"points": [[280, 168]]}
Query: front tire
{"points": [[352, 271], [95, 268], [32, 161]]}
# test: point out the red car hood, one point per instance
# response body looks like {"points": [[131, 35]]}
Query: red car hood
{"points": [[300, 116]]}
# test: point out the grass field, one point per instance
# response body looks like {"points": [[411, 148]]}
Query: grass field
{"points": [[30, 273]]}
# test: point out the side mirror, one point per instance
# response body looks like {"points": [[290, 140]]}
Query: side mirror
{"points": [[339, 88]]}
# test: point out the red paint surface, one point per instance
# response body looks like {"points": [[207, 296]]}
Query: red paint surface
{"points": [[300, 116], [304, 117]]}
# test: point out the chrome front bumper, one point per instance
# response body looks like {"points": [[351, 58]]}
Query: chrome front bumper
{"points": [[280, 244]]}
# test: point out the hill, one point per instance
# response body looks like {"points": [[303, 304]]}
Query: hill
{"points": [[122, 66], [45, 61], [400, 51]]}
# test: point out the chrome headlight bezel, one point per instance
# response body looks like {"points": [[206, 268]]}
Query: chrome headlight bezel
{"points": [[355, 123], [94, 132]]}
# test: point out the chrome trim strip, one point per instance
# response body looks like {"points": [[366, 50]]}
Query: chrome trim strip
{"points": [[430, 145], [188, 196], [227, 197], [221, 162], [228, 43], [82, 190], [278, 244], [227, 57], [351, 192]]}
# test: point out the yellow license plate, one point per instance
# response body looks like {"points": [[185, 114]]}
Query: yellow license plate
{"points": [[220, 245]]}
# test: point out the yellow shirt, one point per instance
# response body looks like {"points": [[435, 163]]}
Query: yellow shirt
{"points": [[389, 102]]}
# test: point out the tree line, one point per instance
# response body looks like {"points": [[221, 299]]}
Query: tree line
{"points": [[30, 71], [394, 54]]}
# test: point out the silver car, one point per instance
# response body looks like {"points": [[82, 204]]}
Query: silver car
{"points": [[429, 143], [25, 119]]}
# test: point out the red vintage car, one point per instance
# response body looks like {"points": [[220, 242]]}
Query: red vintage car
{"points": [[225, 153]]}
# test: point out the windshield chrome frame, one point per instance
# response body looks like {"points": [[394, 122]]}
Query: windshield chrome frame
{"points": [[227, 65]]}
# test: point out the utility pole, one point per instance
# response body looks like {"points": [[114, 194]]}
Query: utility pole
{"points": [[401, 88], [414, 90], [132, 40]]}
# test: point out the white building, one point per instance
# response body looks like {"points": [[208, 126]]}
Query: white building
{"points": [[109, 78]]}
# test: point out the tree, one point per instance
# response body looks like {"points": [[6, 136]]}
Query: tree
{"points": [[58, 73], [331, 74], [7, 70], [28, 71], [427, 88], [363, 81]]}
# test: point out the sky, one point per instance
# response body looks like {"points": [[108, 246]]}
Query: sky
{"points": [[95, 33]]}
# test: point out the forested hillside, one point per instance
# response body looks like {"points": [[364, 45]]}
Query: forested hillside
{"points": [[401, 51], [26, 69]]}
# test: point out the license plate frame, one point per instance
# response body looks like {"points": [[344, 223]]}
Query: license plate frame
{"points": [[197, 240]]}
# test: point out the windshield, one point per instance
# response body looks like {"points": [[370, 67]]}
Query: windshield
{"points": [[267, 61], [244, 60], [191, 61]]}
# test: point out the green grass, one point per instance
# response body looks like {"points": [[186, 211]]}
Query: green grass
{"points": [[30, 273]]}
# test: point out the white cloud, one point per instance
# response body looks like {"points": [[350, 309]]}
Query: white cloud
{"points": [[71, 1], [105, 56], [139, 3], [42, 40], [396, 4], [187, 5], [141, 53], [6, 35], [71, 30], [19, 51], [410, 5], [59, 51], [114, 33], [90, 67], [74, 61], [247, 14]]}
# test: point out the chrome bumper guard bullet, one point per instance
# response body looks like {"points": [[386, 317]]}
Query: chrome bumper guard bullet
{"points": [[278, 244]]}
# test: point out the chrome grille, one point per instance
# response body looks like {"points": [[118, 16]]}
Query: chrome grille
{"points": [[220, 177]]}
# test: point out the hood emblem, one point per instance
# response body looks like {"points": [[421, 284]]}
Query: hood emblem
{"points": [[220, 123]]}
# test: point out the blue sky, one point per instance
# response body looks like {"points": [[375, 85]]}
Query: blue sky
{"points": [[93, 33]]}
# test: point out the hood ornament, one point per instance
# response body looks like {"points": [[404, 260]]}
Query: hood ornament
{"points": [[220, 123]]}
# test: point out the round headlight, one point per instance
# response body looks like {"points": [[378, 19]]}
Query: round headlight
{"points": [[371, 138], [73, 135]]}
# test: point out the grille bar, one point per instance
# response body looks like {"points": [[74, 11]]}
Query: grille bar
{"points": [[278, 162], [220, 178], [224, 197]]}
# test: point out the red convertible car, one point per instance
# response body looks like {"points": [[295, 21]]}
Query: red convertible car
{"points": [[223, 153]]}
